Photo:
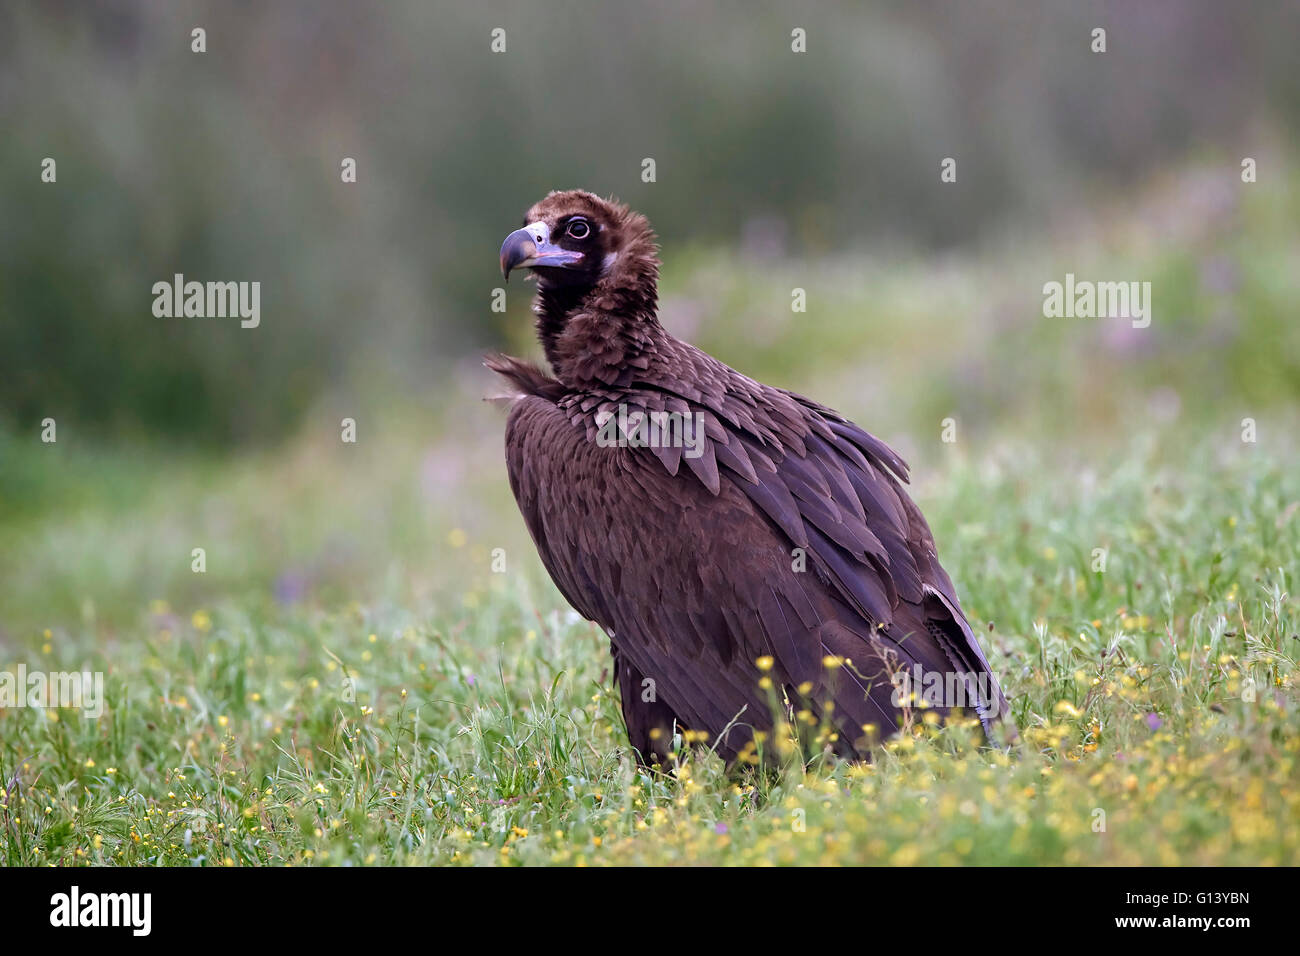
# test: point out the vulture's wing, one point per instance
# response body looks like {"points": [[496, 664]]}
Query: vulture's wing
{"points": [[783, 533]]}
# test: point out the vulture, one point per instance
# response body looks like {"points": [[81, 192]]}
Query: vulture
{"points": [[751, 554]]}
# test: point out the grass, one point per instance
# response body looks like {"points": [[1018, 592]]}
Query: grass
{"points": [[476, 724]]}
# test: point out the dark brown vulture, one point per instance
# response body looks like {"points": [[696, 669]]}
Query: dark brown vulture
{"points": [[775, 541]]}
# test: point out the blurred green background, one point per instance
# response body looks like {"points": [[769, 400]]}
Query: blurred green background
{"points": [[775, 170]]}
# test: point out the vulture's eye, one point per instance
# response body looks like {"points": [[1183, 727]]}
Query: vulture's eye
{"points": [[578, 229]]}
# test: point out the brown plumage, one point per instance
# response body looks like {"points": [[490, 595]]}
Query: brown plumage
{"points": [[690, 557]]}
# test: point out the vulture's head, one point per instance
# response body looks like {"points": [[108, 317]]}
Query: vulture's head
{"points": [[586, 252]]}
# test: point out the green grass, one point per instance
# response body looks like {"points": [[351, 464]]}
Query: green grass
{"points": [[481, 726]]}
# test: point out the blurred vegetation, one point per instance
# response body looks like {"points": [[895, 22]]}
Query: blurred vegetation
{"points": [[225, 166]]}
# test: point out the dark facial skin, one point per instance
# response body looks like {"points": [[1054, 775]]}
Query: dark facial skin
{"points": [[575, 233]]}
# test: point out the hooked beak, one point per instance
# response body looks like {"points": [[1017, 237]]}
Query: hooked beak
{"points": [[531, 246]]}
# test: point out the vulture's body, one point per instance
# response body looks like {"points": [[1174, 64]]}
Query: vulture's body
{"points": [[777, 539]]}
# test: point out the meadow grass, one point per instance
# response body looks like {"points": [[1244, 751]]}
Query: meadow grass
{"points": [[475, 722]]}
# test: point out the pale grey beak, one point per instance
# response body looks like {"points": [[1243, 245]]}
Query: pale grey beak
{"points": [[531, 246]]}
